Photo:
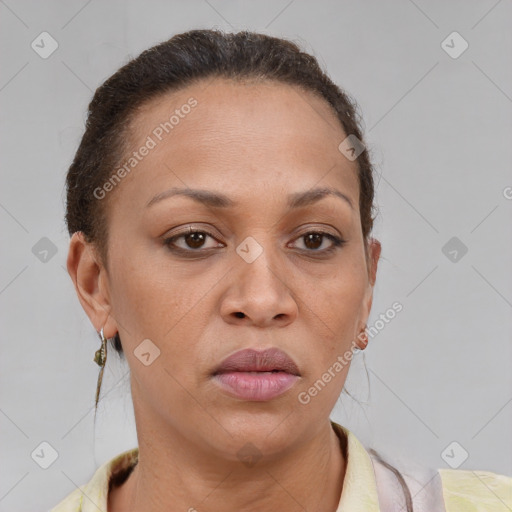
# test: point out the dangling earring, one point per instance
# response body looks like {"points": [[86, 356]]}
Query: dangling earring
{"points": [[100, 358]]}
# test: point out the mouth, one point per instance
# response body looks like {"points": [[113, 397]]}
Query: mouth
{"points": [[256, 376], [272, 360]]}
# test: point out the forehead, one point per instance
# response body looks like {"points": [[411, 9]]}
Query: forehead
{"points": [[237, 136], [243, 107]]}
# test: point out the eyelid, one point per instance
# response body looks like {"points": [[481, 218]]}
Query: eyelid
{"points": [[329, 230], [194, 227], [188, 228]]}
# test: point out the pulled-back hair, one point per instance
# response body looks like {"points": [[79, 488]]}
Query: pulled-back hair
{"points": [[181, 61], [172, 65]]}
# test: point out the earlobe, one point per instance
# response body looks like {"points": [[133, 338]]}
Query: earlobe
{"points": [[89, 279]]}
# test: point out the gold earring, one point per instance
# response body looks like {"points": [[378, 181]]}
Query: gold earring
{"points": [[100, 358]]}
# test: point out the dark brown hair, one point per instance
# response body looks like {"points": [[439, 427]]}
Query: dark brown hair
{"points": [[174, 64], [183, 60]]}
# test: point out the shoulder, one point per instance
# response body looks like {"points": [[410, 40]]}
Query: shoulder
{"points": [[92, 496], [397, 480], [475, 491], [72, 502]]}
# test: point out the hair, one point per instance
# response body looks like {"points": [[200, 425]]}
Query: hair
{"points": [[183, 60]]}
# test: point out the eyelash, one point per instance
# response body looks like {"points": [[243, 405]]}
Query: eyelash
{"points": [[337, 242]]}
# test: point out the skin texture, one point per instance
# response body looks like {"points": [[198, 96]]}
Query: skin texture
{"points": [[256, 143]]}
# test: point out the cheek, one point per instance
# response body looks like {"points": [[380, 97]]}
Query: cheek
{"points": [[338, 305], [143, 299], [154, 301], [334, 316], [338, 297]]}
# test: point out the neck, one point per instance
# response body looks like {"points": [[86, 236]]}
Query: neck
{"points": [[175, 471]]}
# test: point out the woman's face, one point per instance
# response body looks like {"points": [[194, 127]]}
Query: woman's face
{"points": [[260, 147]]}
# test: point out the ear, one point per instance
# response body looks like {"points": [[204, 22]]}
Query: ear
{"points": [[374, 251], [91, 284]]}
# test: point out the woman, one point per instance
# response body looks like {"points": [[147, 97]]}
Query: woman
{"points": [[220, 206]]}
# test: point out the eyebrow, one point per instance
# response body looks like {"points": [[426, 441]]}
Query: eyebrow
{"points": [[218, 200]]}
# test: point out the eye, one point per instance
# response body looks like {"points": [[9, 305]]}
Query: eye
{"points": [[192, 239], [314, 240]]}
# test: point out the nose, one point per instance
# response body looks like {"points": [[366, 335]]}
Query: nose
{"points": [[259, 294]]}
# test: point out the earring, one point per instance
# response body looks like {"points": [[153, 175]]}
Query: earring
{"points": [[100, 358], [363, 337]]}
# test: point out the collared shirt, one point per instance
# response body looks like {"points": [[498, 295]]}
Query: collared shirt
{"points": [[462, 490]]}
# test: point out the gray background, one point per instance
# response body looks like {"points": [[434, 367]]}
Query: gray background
{"points": [[439, 129]]}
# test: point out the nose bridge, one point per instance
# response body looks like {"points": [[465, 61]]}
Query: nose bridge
{"points": [[259, 264], [259, 289]]}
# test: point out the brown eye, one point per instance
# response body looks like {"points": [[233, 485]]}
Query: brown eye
{"points": [[195, 239], [190, 241], [314, 240]]}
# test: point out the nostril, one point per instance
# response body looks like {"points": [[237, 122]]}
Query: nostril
{"points": [[239, 314]]}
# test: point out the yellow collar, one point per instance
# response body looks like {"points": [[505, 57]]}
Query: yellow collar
{"points": [[359, 488]]}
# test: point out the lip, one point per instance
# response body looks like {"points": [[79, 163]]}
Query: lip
{"points": [[256, 375], [251, 360]]}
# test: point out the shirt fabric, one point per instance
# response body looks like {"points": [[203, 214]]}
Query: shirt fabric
{"points": [[461, 490]]}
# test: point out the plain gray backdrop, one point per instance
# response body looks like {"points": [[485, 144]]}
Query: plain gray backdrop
{"points": [[437, 109]]}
